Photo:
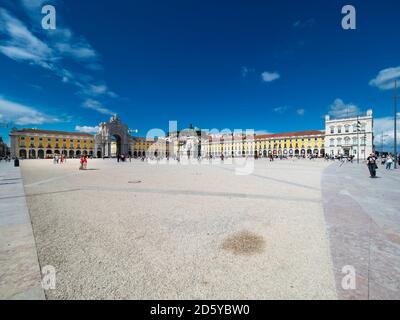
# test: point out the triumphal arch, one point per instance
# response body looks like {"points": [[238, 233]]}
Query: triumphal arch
{"points": [[109, 132]]}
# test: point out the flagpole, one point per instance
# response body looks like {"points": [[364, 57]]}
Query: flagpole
{"points": [[395, 124], [358, 141]]}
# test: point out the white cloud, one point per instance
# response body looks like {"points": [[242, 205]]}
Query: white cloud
{"points": [[385, 79], [78, 51], [97, 106], [87, 129], [22, 114], [384, 127], [270, 76], [339, 109], [20, 44], [246, 71], [261, 132], [300, 112], [281, 109], [304, 24], [33, 4]]}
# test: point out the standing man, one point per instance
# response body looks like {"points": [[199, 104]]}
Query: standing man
{"points": [[372, 166]]}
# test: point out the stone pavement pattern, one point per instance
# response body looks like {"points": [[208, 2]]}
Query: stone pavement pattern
{"points": [[140, 231], [363, 218], [19, 266], [133, 230]]}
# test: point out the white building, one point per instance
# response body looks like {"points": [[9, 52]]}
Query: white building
{"points": [[351, 136]]}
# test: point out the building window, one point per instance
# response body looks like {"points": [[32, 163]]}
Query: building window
{"points": [[332, 129], [363, 141], [347, 128], [339, 129]]}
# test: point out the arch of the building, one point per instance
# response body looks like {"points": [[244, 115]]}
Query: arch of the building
{"points": [[115, 137], [64, 153], [22, 153], [71, 153], [32, 154], [56, 151], [98, 154], [78, 153], [41, 154], [48, 153], [297, 152], [309, 151]]}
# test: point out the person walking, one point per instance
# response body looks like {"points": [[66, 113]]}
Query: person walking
{"points": [[81, 163], [85, 158], [372, 166], [389, 162]]}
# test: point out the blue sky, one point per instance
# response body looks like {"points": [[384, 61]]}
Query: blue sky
{"points": [[272, 66]]}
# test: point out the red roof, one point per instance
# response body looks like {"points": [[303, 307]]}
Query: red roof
{"points": [[291, 134], [54, 132], [274, 135]]}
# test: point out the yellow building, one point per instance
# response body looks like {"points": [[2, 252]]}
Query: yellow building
{"points": [[140, 146], [113, 138], [34, 143], [288, 144]]}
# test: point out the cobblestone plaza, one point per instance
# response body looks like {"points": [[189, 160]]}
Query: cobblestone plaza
{"points": [[152, 231]]}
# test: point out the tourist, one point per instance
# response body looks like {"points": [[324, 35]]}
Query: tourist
{"points": [[389, 162], [372, 166], [85, 162], [81, 163]]}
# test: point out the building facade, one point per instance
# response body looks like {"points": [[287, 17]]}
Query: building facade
{"points": [[41, 144], [4, 151], [350, 136], [279, 145], [340, 137]]}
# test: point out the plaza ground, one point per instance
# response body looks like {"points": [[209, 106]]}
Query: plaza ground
{"points": [[141, 231]]}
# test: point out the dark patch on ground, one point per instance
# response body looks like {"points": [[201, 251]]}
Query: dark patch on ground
{"points": [[244, 243]]}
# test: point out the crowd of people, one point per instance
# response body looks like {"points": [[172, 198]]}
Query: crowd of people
{"points": [[59, 159], [372, 163]]}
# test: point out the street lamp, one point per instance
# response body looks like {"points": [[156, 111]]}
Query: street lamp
{"points": [[383, 136], [395, 124]]}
